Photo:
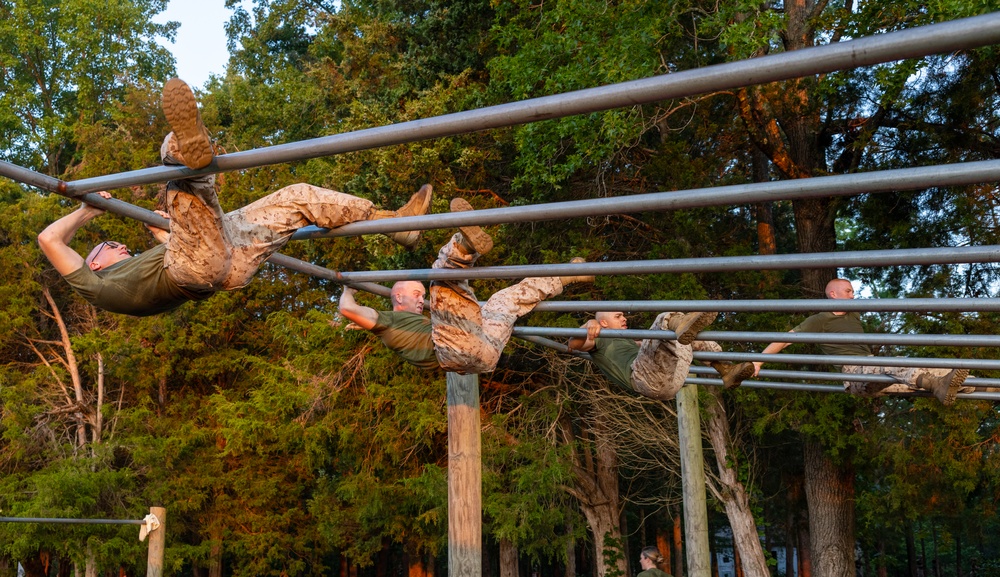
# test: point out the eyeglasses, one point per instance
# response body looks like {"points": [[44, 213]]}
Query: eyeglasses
{"points": [[106, 244]]}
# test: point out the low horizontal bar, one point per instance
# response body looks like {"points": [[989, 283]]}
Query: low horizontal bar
{"points": [[981, 364], [813, 388], [770, 337], [791, 306], [873, 258], [738, 194], [72, 521], [978, 382], [916, 42]]}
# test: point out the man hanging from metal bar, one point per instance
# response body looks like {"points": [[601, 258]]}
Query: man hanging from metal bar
{"points": [[460, 336], [944, 387], [654, 368], [204, 251]]}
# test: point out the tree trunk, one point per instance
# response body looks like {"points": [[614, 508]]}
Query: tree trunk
{"points": [[911, 550], [883, 570], [623, 529], [678, 547], [663, 541], [90, 568], [736, 501], [805, 552], [570, 554], [830, 496], [508, 559], [596, 488], [958, 556], [215, 551]]}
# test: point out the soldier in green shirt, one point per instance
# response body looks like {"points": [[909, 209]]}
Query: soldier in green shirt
{"points": [[460, 336], [649, 561], [204, 251], [944, 387], [653, 367]]}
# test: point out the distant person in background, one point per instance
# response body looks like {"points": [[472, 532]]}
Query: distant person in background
{"points": [[649, 560]]}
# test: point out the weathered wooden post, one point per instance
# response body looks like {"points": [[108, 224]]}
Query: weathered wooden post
{"points": [[693, 483], [157, 544], [465, 486]]}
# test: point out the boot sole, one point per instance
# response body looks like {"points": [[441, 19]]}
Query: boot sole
{"points": [[954, 385], [181, 110], [482, 242], [745, 373], [690, 333]]}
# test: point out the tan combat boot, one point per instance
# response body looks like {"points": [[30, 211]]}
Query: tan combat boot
{"points": [[194, 146], [733, 375], [579, 278], [944, 388], [689, 325], [416, 206], [473, 239]]}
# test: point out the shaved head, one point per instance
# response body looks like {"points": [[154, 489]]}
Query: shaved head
{"points": [[839, 288], [408, 295]]}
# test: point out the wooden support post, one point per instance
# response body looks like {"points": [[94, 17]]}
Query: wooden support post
{"points": [[693, 483], [465, 486], [157, 544]]}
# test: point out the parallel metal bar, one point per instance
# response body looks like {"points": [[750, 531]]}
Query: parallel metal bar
{"points": [[977, 382], [813, 388], [792, 306], [770, 337], [27, 176], [899, 257], [935, 38], [739, 194], [848, 360], [72, 521]]}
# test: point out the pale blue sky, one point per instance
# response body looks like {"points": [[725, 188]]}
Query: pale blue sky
{"points": [[200, 48]]}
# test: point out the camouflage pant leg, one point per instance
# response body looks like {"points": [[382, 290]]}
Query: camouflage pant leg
{"points": [[456, 319], [661, 367], [506, 306], [262, 227], [198, 250], [906, 376]]}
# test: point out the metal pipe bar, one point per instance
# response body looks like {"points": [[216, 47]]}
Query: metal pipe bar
{"points": [[915, 42], [72, 521], [770, 337], [782, 358], [977, 382], [27, 176], [738, 194], [872, 258], [814, 388], [791, 306]]}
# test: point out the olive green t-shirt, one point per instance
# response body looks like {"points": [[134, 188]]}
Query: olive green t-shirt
{"points": [[654, 572], [614, 357], [137, 286], [827, 322], [409, 335]]}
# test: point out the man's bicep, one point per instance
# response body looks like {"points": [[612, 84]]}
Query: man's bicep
{"points": [[63, 258], [364, 317]]}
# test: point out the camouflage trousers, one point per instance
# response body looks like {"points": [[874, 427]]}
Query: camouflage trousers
{"points": [[209, 250], [662, 365], [906, 377], [469, 339]]}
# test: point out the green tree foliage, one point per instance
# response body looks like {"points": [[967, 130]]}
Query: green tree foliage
{"points": [[65, 64]]}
